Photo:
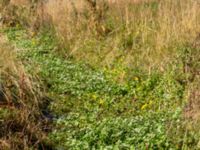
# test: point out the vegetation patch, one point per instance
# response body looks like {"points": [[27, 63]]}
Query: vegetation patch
{"points": [[99, 75], [87, 100], [22, 123]]}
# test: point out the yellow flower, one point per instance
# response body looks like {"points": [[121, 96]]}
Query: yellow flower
{"points": [[150, 102], [144, 106], [33, 42], [136, 78], [101, 101], [94, 96]]}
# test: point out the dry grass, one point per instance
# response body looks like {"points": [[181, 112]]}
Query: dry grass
{"points": [[133, 33], [21, 123], [121, 32], [193, 106], [14, 72], [148, 29]]}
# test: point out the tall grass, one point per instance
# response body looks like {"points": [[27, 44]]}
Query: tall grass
{"points": [[102, 32], [150, 35], [20, 102], [135, 29]]}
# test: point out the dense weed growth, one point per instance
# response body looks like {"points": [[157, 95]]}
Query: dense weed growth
{"points": [[121, 75]]}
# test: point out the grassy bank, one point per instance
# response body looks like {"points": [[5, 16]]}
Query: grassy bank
{"points": [[22, 123], [94, 109], [116, 75]]}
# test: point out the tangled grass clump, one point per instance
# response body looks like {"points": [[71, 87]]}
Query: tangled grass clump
{"points": [[22, 124]]}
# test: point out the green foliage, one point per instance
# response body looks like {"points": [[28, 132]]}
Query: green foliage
{"points": [[133, 92], [111, 133], [93, 110]]}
